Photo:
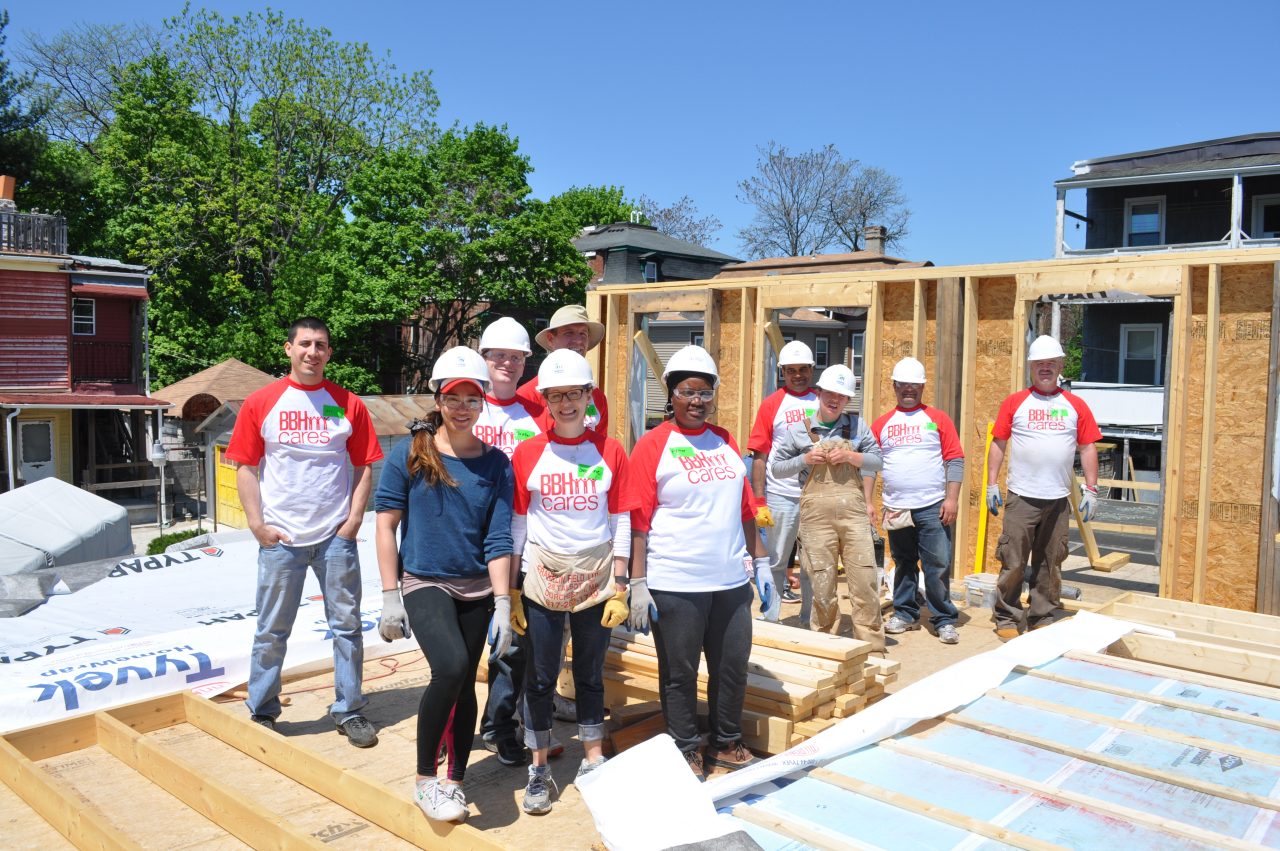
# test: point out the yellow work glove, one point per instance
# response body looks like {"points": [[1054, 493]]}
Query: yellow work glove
{"points": [[518, 623], [764, 517], [616, 611]]}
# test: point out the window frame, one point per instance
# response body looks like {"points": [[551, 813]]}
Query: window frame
{"points": [[1125, 328], [1129, 204], [1260, 202], [823, 360], [92, 319]]}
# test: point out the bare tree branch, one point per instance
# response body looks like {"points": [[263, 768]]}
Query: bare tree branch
{"points": [[680, 220]]}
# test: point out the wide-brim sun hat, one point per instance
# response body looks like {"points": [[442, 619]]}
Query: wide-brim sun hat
{"points": [[570, 314]]}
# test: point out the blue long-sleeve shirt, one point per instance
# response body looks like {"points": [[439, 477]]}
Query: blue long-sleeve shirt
{"points": [[450, 531]]}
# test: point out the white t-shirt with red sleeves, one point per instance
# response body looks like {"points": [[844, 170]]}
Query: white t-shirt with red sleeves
{"points": [[300, 437], [691, 493], [915, 445], [778, 412], [1043, 434], [597, 409], [505, 423], [568, 488]]}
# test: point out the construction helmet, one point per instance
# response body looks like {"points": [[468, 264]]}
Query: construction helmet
{"points": [[564, 368], [796, 352], [909, 371], [459, 363], [505, 333], [838, 378], [1045, 347], [690, 359]]}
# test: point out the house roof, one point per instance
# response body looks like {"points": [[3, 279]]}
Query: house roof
{"points": [[390, 414], [818, 263], [1252, 153], [644, 238], [231, 379], [78, 401]]}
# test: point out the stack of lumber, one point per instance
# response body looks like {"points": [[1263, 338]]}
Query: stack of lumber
{"points": [[798, 684]]}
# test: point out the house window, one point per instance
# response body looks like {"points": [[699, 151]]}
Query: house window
{"points": [[821, 349], [82, 313], [1140, 353], [650, 272], [1144, 221], [855, 354], [695, 338], [1266, 217]]}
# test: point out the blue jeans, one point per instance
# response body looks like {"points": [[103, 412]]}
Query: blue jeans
{"points": [[925, 546], [780, 541], [590, 642], [281, 572], [506, 687]]}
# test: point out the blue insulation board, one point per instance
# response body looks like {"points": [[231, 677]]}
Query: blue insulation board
{"points": [[766, 839], [1047, 819]]}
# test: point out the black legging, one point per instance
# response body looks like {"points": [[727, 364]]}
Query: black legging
{"points": [[451, 634]]}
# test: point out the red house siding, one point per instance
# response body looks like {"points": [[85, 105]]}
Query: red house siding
{"points": [[114, 319], [35, 325]]}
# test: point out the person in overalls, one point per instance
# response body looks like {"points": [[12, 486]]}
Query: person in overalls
{"points": [[836, 457]]}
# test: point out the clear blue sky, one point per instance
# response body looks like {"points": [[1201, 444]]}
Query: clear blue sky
{"points": [[978, 107]]}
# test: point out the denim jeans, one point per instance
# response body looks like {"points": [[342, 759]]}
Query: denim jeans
{"points": [[281, 572], [546, 637], [780, 541], [506, 687], [925, 546]]}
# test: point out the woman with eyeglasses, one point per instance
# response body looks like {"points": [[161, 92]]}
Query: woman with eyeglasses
{"points": [[450, 496], [572, 530], [691, 530]]}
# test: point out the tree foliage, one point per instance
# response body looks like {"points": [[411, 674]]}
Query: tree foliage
{"points": [[809, 202], [21, 143], [596, 205], [680, 220]]}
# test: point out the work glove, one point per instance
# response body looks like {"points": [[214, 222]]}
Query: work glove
{"points": [[616, 610], [394, 621], [1088, 502], [643, 611], [993, 500], [764, 517], [770, 601], [500, 627], [518, 622]]}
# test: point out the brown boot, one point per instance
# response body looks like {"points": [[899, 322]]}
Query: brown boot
{"points": [[1007, 633], [694, 758], [733, 757]]}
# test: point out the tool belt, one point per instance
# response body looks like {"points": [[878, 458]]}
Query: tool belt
{"points": [[569, 582]]}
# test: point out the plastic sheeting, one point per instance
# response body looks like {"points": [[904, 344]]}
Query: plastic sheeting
{"points": [[68, 524]]}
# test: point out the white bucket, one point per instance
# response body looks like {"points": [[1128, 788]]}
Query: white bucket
{"points": [[981, 588]]}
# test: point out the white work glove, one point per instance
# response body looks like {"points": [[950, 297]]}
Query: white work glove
{"points": [[770, 601], [500, 627], [394, 621], [1088, 502], [643, 611], [993, 500]]}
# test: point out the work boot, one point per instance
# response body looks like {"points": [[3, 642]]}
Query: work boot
{"points": [[732, 757], [264, 721], [359, 731], [897, 625], [509, 751], [1007, 633], [537, 793], [947, 634]]}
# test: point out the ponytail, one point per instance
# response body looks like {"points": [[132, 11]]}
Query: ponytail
{"points": [[424, 457]]}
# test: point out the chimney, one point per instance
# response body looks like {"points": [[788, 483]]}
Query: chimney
{"points": [[874, 235], [7, 183]]}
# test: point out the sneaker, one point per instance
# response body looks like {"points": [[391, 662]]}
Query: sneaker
{"points": [[537, 794], [733, 757], [509, 751], [359, 731], [264, 721], [947, 634], [564, 709], [555, 748], [694, 758], [439, 802], [587, 767], [789, 596], [455, 793], [898, 624], [1007, 633]]}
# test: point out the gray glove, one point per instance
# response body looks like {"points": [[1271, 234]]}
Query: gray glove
{"points": [[993, 499], [643, 611], [1088, 502], [394, 622], [500, 626]]}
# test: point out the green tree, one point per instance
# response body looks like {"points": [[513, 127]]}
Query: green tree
{"points": [[596, 205], [21, 140]]}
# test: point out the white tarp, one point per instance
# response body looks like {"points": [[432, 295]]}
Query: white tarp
{"points": [[70, 524], [157, 625]]}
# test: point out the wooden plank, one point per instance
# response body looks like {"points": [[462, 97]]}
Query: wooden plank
{"points": [[748, 366], [1018, 366], [761, 686], [760, 665], [1086, 533], [1246, 665], [1123, 528], [648, 352], [1125, 484], [43, 741], [693, 300], [774, 335], [919, 318], [1174, 478], [633, 734], [1216, 614], [1207, 431], [788, 291], [1111, 562], [1160, 822], [930, 810], [871, 362], [1185, 676], [645, 686], [1268, 584], [809, 643], [884, 666], [1197, 626], [807, 833], [840, 668], [1158, 280], [965, 426], [949, 339]]}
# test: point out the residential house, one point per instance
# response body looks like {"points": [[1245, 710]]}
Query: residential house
{"points": [[627, 253]]}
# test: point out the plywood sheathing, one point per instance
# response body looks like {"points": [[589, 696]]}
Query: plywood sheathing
{"points": [[729, 359]]}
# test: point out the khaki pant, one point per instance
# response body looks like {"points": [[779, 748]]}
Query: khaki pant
{"points": [[1035, 527], [834, 529]]}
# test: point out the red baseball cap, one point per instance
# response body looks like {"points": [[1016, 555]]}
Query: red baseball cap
{"points": [[458, 382]]}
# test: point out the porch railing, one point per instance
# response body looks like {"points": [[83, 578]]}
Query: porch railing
{"points": [[33, 233], [94, 360]]}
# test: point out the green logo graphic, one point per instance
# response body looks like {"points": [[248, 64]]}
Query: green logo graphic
{"points": [[586, 471], [333, 411], [592, 411], [523, 434], [1058, 413], [809, 412], [930, 426], [682, 452]]}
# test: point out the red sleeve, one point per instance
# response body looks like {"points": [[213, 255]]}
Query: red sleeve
{"points": [[247, 445], [528, 392], [602, 405], [523, 460], [642, 477], [616, 460], [1004, 419], [1087, 430], [951, 448], [362, 446], [761, 437], [878, 425]]}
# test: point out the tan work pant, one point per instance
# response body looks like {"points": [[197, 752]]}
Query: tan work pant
{"points": [[834, 529]]}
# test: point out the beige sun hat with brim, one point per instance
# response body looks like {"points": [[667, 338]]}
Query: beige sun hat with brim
{"points": [[571, 314]]}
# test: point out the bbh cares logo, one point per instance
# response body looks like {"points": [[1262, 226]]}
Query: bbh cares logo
{"points": [[115, 630], [211, 551]]}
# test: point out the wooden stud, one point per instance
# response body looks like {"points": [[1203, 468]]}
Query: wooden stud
{"points": [[872, 356], [1203, 629], [598, 311], [1018, 368], [1268, 599], [1247, 665], [809, 643], [1086, 533], [749, 366], [919, 318], [1249, 622], [1175, 426], [774, 334], [1157, 280], [1207, 431], [1128, 663], [808, 834], [948, 351], [1111, 561], [966, 427], [648, 352]]}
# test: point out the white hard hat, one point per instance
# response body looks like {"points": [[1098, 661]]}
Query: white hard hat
{"points": [[838, 378], [909, 371], [505, 333], [794, 353], [459, 363], [564, 368], [1045, 347], [691, 359]]}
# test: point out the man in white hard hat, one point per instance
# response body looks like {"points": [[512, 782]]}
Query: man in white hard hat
{"points": [[778, 499], [834, 457], [1047, 425], [923, 473], [570, 328]]}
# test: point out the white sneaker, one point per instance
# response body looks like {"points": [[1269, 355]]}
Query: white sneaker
{"points": [[439, 802]]}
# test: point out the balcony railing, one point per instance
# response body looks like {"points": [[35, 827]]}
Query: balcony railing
{"points": [[93, 360], [33, 233]]}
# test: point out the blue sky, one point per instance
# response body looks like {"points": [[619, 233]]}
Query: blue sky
{"points": [[978, 107]]}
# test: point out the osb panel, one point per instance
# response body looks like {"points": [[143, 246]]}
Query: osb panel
{"points": [[897, 328], [616, 384], [727, 359]]}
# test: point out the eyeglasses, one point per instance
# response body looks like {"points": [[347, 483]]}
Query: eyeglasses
{"points": [[704, 395], [556, 398], [500, 357], [470, 403]]}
